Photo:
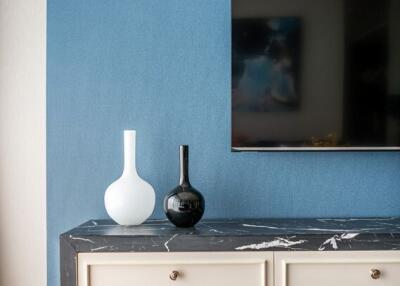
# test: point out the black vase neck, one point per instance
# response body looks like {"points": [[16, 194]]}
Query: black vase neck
{"points": [[184, 166]]}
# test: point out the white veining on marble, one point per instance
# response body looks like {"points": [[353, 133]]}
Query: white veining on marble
{"points": [[260, 226], [215, 230], [341, 229], [211, 229], [333, 241], [100, 248], [312, 228], [81, 239], [355, 219], [277, 242], [154, 243], [168, 241], [348, 235]]}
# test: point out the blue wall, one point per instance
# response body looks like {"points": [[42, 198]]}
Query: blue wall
{"points": [[162, 67]]}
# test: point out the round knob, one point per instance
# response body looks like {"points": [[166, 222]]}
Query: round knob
{"points": [[375, 273], [174, 275]]}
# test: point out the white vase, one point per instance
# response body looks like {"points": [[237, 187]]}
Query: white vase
{"points": [[129, 200]]}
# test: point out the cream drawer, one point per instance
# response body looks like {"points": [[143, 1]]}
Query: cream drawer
{"points": [[337, 268], [158, 269]]}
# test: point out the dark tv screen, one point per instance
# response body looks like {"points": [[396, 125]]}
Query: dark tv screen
{"points": [[315, 75]]}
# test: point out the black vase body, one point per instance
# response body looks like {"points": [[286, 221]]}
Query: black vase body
{"points": [[184, 205]]}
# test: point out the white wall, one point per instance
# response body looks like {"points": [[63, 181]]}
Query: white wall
{"points": [[22, 143]]}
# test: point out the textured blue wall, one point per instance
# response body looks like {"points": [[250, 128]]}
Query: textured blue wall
{"points": [[163, 68]]}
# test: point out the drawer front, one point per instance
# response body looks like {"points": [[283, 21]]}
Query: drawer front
{"points": [[192, 269], [344, 274], [344, 269], [196, 275]]}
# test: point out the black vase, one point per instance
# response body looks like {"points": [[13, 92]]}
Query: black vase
{"points": [[184, 205]]}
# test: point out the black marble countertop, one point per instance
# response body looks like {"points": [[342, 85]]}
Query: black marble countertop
{"points": [[238, 235]]}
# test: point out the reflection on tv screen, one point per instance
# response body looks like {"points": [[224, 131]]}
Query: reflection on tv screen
{"points": [[315, 74]]}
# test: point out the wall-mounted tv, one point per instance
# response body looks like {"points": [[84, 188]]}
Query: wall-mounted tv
{"points": [[315, 75]]}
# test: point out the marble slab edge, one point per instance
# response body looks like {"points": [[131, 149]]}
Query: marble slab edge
{"points": [[238, 235], [101, 236], [189, 243]]}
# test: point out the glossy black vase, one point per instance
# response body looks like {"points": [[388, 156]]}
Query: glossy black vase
{"points": [[184, 205]]}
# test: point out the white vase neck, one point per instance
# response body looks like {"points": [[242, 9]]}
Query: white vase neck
{"points": [[129, 153]]}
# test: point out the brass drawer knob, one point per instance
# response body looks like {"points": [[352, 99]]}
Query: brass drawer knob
{"points": [[375, 273], [174, 275]]}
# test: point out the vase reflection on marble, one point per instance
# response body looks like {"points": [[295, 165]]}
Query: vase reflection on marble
{"points": [[184, 205]]}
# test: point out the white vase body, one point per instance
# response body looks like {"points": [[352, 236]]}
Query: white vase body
{"points": [[129, 200]]}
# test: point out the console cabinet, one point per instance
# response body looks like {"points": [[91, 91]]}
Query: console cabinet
{"points": [[239, 252]]}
